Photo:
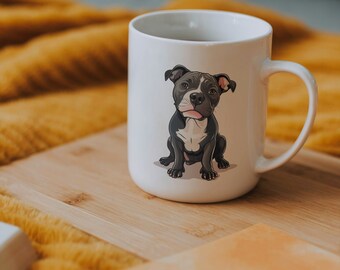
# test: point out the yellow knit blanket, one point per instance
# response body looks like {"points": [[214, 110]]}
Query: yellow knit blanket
{"points": [[63, 75]]}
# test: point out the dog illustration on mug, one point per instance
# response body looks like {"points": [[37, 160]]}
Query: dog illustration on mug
{"points": [[194, 135]]}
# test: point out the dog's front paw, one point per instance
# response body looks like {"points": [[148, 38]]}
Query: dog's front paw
{"points": [[176, 173], [165, 161], [208, 174], [222, 163]]}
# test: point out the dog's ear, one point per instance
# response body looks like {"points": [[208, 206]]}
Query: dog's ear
{"points": [[225, 83], [177, 72]]}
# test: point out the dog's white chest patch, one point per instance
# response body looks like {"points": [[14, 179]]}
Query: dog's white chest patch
{"points": [[193, 133]]}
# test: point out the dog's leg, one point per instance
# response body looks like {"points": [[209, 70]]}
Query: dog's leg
{"points": [[207, 171], [221, 145], [167, 160], [177, 169]]}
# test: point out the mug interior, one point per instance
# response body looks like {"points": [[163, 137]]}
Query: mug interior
{"points": [[201, 26]]}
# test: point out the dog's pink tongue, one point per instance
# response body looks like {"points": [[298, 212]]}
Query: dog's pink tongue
{"points": [[192, 114]]}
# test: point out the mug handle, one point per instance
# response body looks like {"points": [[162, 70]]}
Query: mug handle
{"points": [[270, 67]]}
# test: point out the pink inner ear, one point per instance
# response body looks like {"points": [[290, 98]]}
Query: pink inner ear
{"points": [[222, 82]]}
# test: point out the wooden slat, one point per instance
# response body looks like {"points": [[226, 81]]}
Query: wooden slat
{"points": [[87, 183], [317, 160], [257, 247]]}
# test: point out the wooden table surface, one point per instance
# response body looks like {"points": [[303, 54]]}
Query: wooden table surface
{"points": [[86, 182]]}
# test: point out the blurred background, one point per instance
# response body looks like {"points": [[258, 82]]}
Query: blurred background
{"points": [[319, 14]]}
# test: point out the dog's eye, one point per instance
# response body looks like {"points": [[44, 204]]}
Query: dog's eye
{"points": [[185, 85], [212, 91]]}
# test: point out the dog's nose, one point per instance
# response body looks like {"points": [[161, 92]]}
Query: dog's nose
{"points": [[196, 98]]}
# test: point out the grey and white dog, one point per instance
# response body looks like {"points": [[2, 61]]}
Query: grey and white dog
{"points": [[194, 135]]}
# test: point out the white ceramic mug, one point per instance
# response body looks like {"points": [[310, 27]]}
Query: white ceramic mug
{"points": [[198, 101]]}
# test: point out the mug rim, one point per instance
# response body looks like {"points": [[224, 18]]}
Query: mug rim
{"points": [[267, 33]]}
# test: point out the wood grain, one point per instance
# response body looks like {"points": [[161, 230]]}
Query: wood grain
{"points": [[259, 247], [87, 183]]}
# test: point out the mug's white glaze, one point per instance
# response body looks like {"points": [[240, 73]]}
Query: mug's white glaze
{"points": [[210, 42]]}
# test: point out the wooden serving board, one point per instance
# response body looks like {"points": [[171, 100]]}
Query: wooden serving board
{"points": [[87, 183], [257, 247]]}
